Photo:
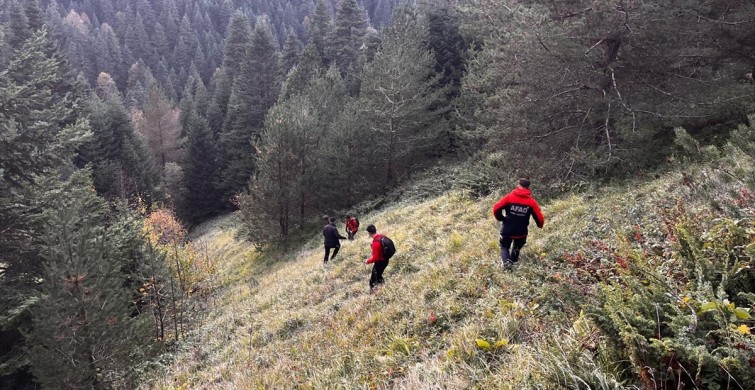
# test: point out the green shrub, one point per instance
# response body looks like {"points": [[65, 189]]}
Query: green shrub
{"points": [[685, 322]]}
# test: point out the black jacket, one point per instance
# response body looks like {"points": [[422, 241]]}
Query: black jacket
{"points": [[330, 232]]}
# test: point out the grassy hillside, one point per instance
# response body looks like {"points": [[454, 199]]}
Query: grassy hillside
{"points": [[572, 314]]}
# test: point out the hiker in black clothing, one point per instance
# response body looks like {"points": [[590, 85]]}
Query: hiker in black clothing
{"points": [[332, 237]]}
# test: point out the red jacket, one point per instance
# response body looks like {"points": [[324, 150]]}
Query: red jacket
{"points": [[377, 250], [519, 206], [351, 225]]}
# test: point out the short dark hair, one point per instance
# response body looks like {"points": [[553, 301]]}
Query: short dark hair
{"points": [[325, 217], [524, 182], [371, 229], [348, 215], [332, 219]]}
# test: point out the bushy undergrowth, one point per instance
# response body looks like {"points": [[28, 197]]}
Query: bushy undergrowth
{"points": [[643, 287]]}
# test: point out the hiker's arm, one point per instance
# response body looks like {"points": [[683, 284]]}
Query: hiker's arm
{"points": [[498, 209], [538, 215], [375, 253]]}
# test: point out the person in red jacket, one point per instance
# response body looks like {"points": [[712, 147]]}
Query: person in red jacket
{"points": [[378, 259], [519, 206], [351, 227]]}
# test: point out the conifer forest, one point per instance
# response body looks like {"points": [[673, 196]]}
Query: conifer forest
{"points": [[129, 128]]}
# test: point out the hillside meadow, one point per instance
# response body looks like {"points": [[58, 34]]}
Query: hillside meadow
{"points": [[627, 286]]}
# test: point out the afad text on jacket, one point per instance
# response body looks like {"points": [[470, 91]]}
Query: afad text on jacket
{"points": [[519, 206]]}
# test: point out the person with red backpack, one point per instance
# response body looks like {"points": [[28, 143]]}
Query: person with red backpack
{"points": [[382, 250], [519, 206], [352, 225]]}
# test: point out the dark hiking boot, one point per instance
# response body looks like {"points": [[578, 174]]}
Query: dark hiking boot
{"points": [[507, 265]]}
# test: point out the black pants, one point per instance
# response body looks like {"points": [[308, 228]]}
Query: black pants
{"points": [[377, 273], [350, 235], [335, 251], [506, 242]]}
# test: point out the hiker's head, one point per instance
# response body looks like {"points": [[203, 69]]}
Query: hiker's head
{"points": [[371, 230], [332, 219], [523, 183], [325, 218], [348, 216]]}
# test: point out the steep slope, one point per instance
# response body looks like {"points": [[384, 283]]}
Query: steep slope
{"points": [[448, 316]]}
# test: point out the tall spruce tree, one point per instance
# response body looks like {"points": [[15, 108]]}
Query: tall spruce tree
{"points": [[398, 94], [346, 36], [34, 16], [85, 331], [290, 55], [256, 89], [201, 198], [271, 206], [18, 26], [39, 132], [310, 64], [237, 43], [121, 163], [320, 27]]}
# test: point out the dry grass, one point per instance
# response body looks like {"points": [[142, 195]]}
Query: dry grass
{"points": [[299, 324]]}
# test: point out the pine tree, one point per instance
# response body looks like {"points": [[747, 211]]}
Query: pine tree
{"points": [[137, 40], [161, 41], [121, 163], [346, 36], [18, 26], [85, 333], [398, 94], [448, 45], [35, 18], [290, 55], [271, 206], [201, 198], [310, 64], [236, 45], [320, 27], [221, 93], [256, 89], [39, 132]]}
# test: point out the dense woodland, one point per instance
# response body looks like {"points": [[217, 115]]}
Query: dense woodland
{"points": [[285, 110]]}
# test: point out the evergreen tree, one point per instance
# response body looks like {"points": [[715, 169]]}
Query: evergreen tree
{"points": [[85, 331], [351, 158], [254, 92], [448, 45], [200, 198], [121, 164], [39, 131], [18, 26], [310, 64], [398, 94], [290, 55], [270, 208], [35, 18], [136, 39], [346, 36], [320, 27], [160, 39], [595, 82], [221, 93], [236, 45]]}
